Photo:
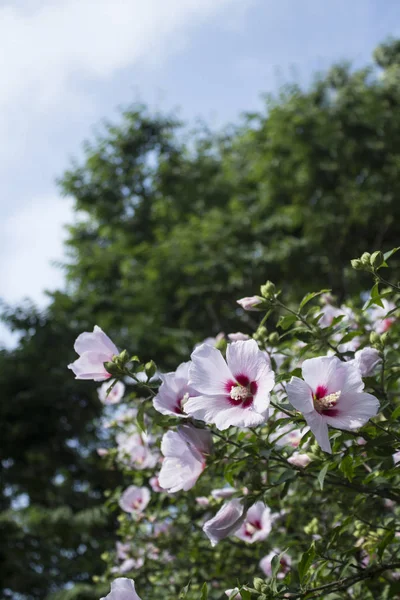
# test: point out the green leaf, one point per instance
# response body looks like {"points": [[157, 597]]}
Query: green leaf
{"points": [[245, 594], [390, 253], [321, 475], [395, 414], [286, 321], [347, 467], [310, 296], [184, 591], [305, 562], [384, 543], [140, 417], [204, 592]]}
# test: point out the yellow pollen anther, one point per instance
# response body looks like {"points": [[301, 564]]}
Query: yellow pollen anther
{"points": [[239, 392], [327, 402]]}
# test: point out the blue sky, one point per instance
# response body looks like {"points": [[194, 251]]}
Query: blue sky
{"points": [[66, 65]]}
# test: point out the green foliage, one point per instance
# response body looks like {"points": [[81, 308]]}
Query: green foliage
{"points": [[173, 227]]}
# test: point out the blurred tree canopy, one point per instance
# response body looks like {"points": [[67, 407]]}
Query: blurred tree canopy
{"points": [[172, 227]]}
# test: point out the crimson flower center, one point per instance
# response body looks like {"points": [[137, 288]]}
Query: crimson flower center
{"points": [[241, 391], [324, 401]]}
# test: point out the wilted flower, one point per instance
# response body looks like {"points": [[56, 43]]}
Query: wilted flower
{"points": [[366, 360], [257, 524], [94, 350], [174, 392], [114, 396], [266, 564], [185, 451], [331, 394], [235, 392], [122, 589], [134, 499], [250, 302], [202, 501], [227, 520], [299, 460]]}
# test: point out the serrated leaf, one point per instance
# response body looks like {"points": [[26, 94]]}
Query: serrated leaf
{"points": [[310, 296], [321, 475], [305, 562]]}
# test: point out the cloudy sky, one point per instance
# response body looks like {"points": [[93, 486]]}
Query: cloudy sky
{"points": [[67, 64]]}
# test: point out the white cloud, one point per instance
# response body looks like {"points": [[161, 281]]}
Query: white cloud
{"points": [[34, 237]]}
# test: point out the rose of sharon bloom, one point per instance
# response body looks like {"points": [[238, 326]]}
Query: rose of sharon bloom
{"points": [[115, 394], [257, 524], [379, 316], [235, 392], [94, 350], [185, 452], [366, 360], [122, 589], [238, 337], [233, 594], [250, 302], [299, 460], [227, 520], [134, 451], [174, 392], [331, 394], [266, 564], [134, 499]]}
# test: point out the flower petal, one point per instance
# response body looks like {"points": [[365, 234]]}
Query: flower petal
{"points": [[324, 371], [353, 410], [243, 358], [209, 372], [300, 395], [319, 428]]}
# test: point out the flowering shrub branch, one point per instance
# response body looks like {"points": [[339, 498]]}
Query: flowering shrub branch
{"points": [[268, 455]]}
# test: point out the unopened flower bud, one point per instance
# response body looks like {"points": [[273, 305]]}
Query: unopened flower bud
{"points": [[375, 338], [273, 338], [150, 369], [250, 302], [123, 357], [258, 583], [377, 259], [357, 264], [366, 259], [268, 290], [112, 368]]}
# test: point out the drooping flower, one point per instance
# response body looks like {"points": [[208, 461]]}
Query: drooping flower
{"points": [[115, 395], [331, 394], [257, 524], [250, 302], [299, 460], [235, 392], [227, 520], [266, 564], [94, 350], [185, 452], [366, 360], [134, 499], [122, 589], [174, 392]]}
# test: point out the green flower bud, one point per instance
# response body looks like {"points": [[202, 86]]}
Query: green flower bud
{"points": [[150, 368], [273, 338], [375, 338], [123, 357], [221, 345], [366, 259], [268, 290], [377, 259], [112, 368], [357, 264], [258, 583]]}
